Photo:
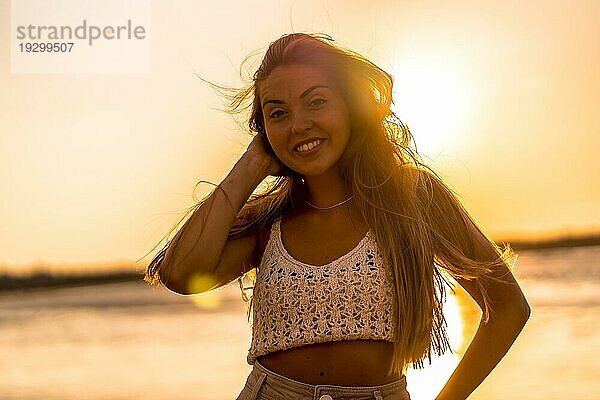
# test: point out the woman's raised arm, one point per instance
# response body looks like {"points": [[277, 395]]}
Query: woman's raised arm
{"points": [[201, 257]]}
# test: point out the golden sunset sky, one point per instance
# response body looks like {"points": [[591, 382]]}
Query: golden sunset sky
{"points": [[503, 98]]}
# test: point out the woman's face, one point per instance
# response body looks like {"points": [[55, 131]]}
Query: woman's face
{"points": [[306, 119]]}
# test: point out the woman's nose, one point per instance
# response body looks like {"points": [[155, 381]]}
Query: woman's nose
{"points": [[300, 122]]}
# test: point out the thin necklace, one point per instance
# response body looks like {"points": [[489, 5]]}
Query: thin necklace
{"points": [[330, 207]]}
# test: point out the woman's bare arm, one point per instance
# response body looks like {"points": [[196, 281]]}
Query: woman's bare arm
{"points": [[494, 338], [201, 257]]}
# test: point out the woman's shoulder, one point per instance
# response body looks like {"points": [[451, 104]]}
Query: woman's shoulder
{"points": [[263, 238], [264, 233], [423, 178], [416, 171]]}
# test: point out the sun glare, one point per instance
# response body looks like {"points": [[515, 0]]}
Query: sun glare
{"points": [[434, 99], [427, 383]]}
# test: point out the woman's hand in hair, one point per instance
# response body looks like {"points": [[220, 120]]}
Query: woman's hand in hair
{"points": [[260, 152]]}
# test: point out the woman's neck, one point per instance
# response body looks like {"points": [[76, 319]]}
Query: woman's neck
{"points": [[325, 190]]}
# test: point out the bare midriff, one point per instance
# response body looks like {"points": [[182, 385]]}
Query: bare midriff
{"points": [[346, 363]]}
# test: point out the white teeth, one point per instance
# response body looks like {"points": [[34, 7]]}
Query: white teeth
{"points": [[309, 146]]}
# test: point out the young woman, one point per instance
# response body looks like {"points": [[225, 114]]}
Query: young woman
{"points": [[349, 245]]}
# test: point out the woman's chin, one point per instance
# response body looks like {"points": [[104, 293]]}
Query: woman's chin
{"points": [[313, 172], [311, 168]]}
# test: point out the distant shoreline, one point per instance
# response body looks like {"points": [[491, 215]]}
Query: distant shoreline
{"points": [[46, 280], [567, 241]]}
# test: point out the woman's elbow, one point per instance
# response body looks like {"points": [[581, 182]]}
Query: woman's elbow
{"points": [[171, 284], [514, 311], [521, 306], [525, 310], [518, 312]]}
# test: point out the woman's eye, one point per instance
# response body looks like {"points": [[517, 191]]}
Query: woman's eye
{"points": [[275, 114], [318, 100]]}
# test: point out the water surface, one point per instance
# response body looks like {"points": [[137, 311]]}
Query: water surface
{"points": [[128, 340]]}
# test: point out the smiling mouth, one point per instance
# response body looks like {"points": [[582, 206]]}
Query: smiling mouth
{"points": [[308, 146]]}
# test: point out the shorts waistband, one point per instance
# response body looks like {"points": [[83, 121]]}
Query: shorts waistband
{"points": [[303, 388]]}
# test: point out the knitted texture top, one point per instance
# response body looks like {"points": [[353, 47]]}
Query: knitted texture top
{"points": [[295, 304]]}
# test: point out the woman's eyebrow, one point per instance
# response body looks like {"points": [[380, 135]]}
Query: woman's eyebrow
{"points": [[301, 96]]}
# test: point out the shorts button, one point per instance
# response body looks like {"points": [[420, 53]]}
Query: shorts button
{"points": [[326, 397]]}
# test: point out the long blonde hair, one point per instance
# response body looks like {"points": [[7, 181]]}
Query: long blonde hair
{"points": [[419, 224]]}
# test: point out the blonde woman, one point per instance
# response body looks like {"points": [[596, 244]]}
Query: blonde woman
{"points": [[349, 245]]}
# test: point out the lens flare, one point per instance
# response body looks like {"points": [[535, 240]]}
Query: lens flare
{"points": [[206, 298]]}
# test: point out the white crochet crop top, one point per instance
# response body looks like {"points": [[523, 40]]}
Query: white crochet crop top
{"points": [[295, 304]]}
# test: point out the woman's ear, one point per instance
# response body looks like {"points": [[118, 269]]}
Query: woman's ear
{"points": [[265, 140]]}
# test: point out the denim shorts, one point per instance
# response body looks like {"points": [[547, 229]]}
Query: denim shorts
{"points": [[264, 384]]}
